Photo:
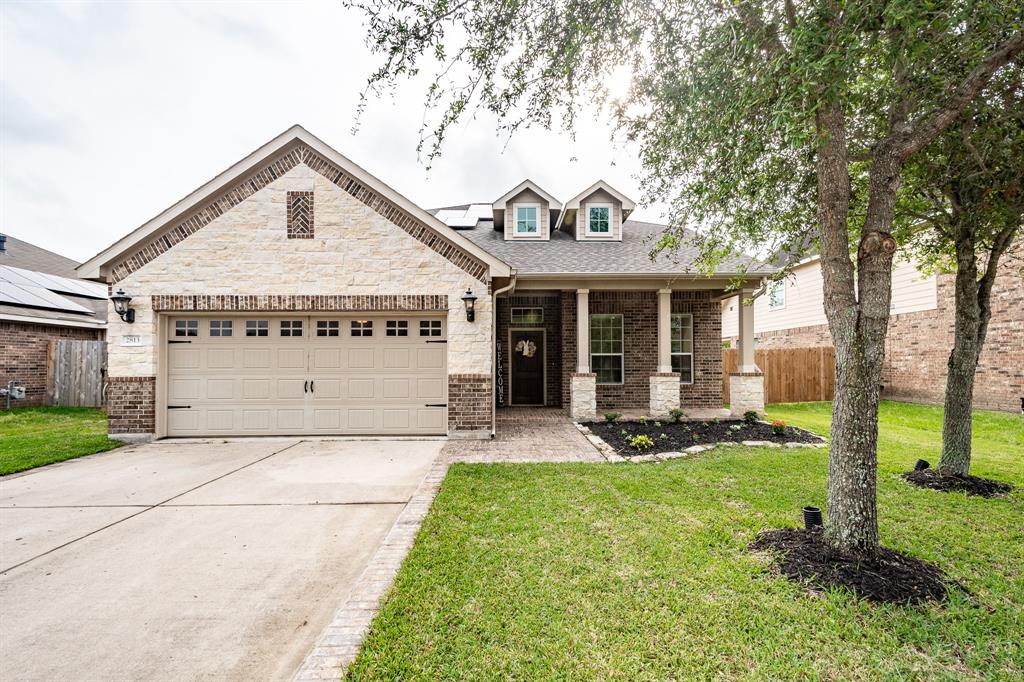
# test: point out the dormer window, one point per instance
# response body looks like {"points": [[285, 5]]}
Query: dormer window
{"points": [[599, 219], [527, 219]]}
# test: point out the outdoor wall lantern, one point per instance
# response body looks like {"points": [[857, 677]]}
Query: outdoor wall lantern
{"points": [[121, 301], [470, 300]]}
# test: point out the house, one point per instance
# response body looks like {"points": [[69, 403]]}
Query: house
{"points": [[42, 299], [297, 294], [791, 315]]}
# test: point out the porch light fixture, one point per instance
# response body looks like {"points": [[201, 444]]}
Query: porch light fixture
{"points": [[121, 301], [470, 301]]}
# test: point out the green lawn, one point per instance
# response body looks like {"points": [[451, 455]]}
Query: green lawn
{"points": [[597, 571], [34, 436]]}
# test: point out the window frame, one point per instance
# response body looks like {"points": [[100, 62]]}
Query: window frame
{"points": [[292, 327], [364, 327], [186, 328], [431, 326], [512, 315], [776, 295], [674, 354], [396, 328], [328, 329], [258, 325], [515, 220], [592, 233], [218, 331], [622, 348]]}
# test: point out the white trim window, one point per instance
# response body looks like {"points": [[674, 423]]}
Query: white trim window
{"points": [[777, 295], [599, 219], [606, 358], [682, 347], [527, 219]]}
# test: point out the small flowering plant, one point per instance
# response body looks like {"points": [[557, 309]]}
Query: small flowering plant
{"points": [[779, 427], [641, 442]]}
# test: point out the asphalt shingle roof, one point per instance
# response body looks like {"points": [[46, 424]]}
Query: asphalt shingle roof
{"points": [[564, 254]]}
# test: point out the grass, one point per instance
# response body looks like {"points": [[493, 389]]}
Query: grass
{"points": [[33, 436], [641, 572]]}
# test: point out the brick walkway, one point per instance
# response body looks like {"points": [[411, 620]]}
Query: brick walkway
{"points": [[527, 434]]}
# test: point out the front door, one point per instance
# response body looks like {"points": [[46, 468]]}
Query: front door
{"points": [[527, 366]]}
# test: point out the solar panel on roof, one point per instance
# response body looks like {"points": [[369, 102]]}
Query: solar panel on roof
{"points": [[461, 221], [37, 297], [480, 211], [65, 285]]}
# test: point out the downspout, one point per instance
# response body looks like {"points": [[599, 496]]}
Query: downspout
{"points": [[494, 347]]}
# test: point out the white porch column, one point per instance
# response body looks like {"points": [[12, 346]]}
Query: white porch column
{"points": [[746, 385], [746, 334], [664, 384], [664, 331], [583, 384], [583, 331]]}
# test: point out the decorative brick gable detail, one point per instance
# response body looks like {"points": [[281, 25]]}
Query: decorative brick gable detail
{"points": [[189, 223], [469, 403], [289, 303], [300, 215], [131, 405]]}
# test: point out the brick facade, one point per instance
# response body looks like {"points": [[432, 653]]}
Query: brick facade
{"points": [[300, 215], [550, 303], [469, 403], [131, 405], [23, 357], [639, 310], [918, 344]]}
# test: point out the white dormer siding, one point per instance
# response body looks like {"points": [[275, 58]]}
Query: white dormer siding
{"points": [[525, 204], [604, 205]]}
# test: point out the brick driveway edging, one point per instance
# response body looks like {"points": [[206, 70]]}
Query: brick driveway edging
{"points": [[339, 643]]}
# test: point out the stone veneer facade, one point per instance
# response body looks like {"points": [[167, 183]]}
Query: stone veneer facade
{"points": [[242, 255], [918, 344], [24, 357]]}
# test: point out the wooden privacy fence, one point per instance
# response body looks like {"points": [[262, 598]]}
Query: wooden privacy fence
{"points": [[76, 372], [791, 375]]}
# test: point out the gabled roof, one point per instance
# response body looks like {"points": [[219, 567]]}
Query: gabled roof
{"points": [[240, 180], [499, 203], [627, 204]]}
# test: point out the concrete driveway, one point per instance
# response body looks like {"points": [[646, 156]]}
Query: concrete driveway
{"points": [[189, 560]]}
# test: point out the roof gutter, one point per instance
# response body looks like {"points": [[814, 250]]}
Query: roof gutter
{"points": [[494, 346]]}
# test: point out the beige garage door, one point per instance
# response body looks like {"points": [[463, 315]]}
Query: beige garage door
{"points": [[261, 375]]}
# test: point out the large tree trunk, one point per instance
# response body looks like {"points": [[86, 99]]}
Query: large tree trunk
{"points": [[963, 360]]}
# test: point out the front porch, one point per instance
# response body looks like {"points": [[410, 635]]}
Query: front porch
{"points": [[640, 352]]}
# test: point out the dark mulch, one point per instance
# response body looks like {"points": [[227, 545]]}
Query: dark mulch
{"points": [[891, 577], [972, 485], [680, 436]]}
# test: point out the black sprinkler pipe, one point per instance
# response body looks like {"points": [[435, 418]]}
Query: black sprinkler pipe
{"points": [[812, 518]]}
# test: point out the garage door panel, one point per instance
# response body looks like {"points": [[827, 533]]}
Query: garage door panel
{"points": [[292, 385]]}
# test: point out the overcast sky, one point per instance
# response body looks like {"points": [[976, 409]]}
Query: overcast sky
{"points": [[113, 111]]}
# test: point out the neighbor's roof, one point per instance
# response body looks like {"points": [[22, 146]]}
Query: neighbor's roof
{"points": [[563, 254], [37, 285]]}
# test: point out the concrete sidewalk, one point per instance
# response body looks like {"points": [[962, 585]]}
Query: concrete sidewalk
{"points": [[191, 560]]}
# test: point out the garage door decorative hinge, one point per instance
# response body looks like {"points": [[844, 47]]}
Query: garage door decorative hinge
{"points": [[436, 405], [437, 340], [179, 407], [174, 341]]}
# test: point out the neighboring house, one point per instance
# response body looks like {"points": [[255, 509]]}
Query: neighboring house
{"points": [[297, 294], [41, 300], [790, 314]]}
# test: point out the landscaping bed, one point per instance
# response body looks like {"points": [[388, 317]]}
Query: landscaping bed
{"points": [[889, 577], [678, 436], [947, 483]]}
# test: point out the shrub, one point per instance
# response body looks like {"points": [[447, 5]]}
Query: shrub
{"points": [[610, 417], [663, 436], [642, 420], [676, 415], [779, 427], [641, 442], [657, 425], [750, 416]]}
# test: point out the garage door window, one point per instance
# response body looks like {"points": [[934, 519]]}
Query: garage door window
{"points": [[220, 327], [362, 327], [291, 327], [257, 327], [397, 328], [327, 327], [186, 328], [430, 327]]}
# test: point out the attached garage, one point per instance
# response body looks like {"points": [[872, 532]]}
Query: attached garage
{"points": [[260, 374]]}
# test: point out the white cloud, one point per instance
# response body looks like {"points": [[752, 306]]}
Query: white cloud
{"points": [[112, 112]]}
